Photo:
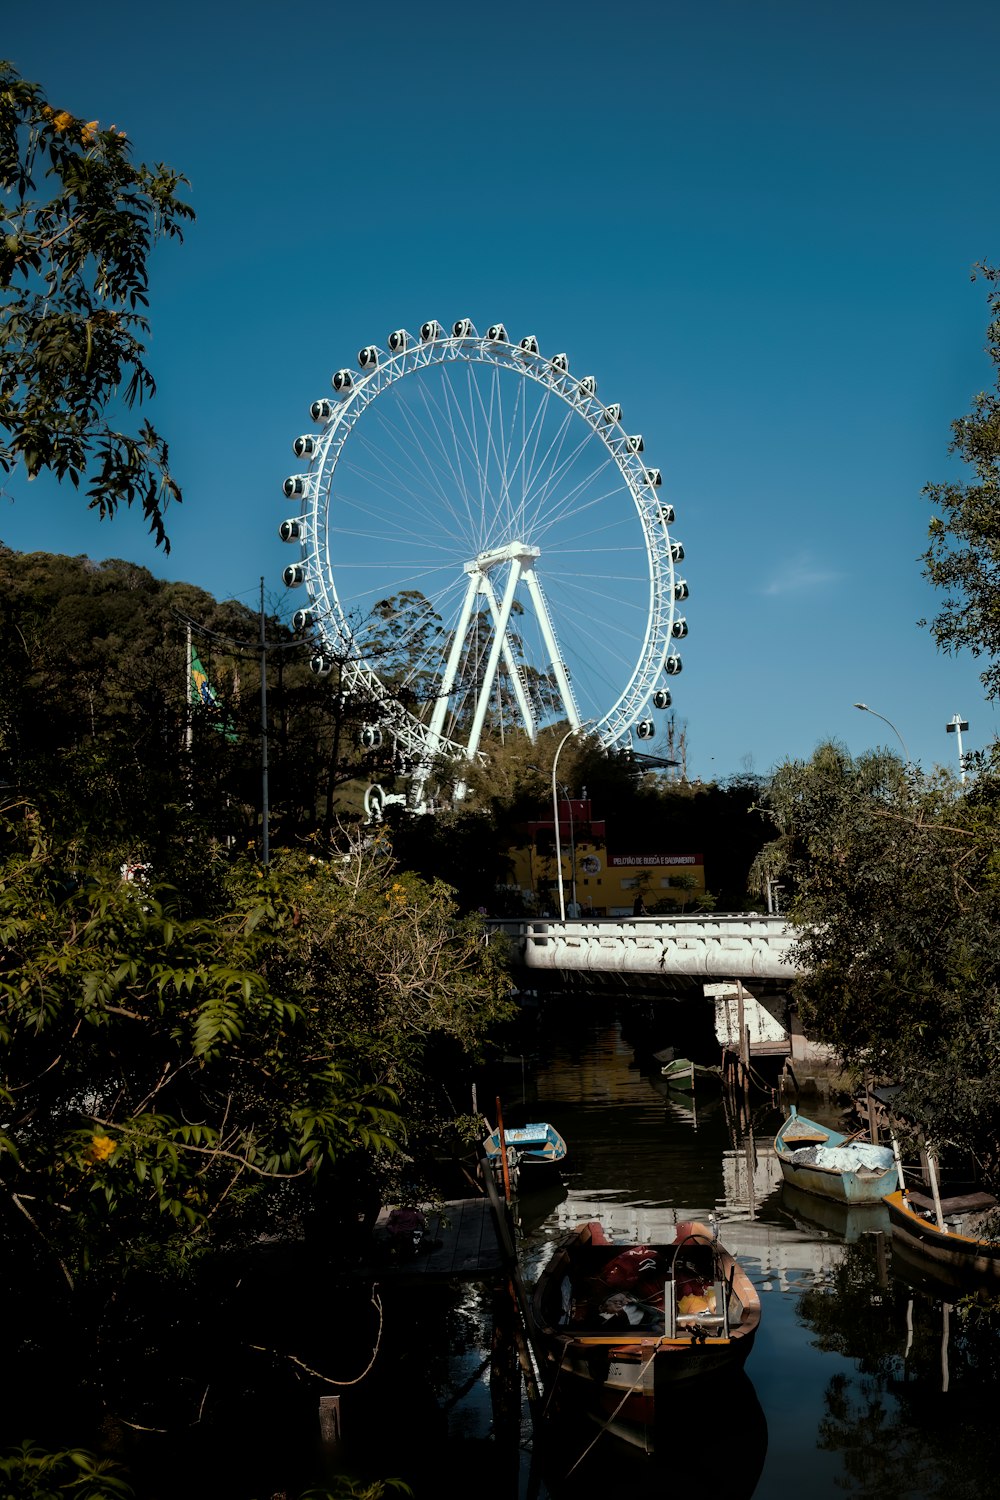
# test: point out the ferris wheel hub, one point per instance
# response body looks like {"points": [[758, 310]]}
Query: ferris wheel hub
{"points": [[513, 552]]}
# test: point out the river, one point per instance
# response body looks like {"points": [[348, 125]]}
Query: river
{"points": [[859, 1383]]}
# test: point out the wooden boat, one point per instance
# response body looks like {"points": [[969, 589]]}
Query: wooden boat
{"points": [[957, 1251], [538, 1145], [684, 1075], [617, 1327], [818, 1159]]}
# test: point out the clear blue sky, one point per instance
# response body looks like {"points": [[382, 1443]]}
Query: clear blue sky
{"points": [[754, 223]]}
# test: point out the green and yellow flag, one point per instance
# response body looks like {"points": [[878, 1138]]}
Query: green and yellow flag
{"points": [[203, 692]]}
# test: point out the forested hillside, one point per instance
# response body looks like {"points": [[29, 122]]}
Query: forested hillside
{"points": [[97, 730]]}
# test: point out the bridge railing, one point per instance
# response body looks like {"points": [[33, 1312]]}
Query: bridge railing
{"points": [[737, 945]]}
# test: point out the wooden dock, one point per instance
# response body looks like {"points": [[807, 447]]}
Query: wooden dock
{"points": [[460, 1243]]}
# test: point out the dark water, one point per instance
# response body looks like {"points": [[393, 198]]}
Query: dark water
{"points": [[860, 1383]]}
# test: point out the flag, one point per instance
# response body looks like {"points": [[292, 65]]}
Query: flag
{"points": [[202, 690], [204, 693]]}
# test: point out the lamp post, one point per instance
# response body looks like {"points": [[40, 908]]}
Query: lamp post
{"points": [[572, 853], [955, 726], [555, 815], [865, 709]]}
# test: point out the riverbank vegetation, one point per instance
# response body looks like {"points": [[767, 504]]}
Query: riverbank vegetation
{"points": [[893, 875]]}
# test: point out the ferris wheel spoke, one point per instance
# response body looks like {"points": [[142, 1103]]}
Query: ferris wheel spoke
{"points": [[379, 501], [451, 458], [541, 464], [573, 505], [388, 481], [462, 456], [544, 499], [411, 465], [528, 457], [506, 431], [492, 418], [480, 447]]}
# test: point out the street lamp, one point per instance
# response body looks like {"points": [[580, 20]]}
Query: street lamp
{"points": [[572, 853], [555, 815], [865, 709], [955, 726]]}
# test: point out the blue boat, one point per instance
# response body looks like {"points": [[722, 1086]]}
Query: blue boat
{"points": [[818, 1159], [537, 1145]]}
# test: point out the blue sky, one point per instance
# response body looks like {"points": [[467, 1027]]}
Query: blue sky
{"points": [[754, 223]]}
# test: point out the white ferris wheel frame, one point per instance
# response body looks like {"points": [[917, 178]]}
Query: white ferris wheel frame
{"points": [[423, 741]]}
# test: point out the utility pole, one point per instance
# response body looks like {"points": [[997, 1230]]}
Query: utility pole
{"points": [[955, 726], [264, 844]]}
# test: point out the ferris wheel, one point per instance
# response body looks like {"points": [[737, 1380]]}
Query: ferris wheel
{"points": [[483, 546]]}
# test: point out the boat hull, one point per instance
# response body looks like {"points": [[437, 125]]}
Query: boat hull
{"points": [[839, 1187], [967, 1260]]}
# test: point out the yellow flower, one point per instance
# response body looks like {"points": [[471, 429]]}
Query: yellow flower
{"points": [[101, 1147]]}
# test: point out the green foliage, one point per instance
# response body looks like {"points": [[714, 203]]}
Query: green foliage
{"points": [[176, 1081], [894, 884], [73, 281], [345, 1488], [963, 556], [31, 1472]]}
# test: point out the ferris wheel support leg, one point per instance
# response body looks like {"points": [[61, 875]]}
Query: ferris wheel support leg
{"points": [[552, 646], [493, 660], [451, 669], [517, 682]]}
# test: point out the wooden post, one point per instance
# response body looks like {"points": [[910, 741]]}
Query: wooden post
{"points": [[751, 1195], [501, 1215], [870, 1108], [501, 1137], [935, 1194], [739, 1013], [945, 1330], [330, 1436]]}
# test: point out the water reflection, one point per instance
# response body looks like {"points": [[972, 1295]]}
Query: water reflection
{"points": [[849, 1357], [915, 1415], [715, 1437], [847, 1222]]}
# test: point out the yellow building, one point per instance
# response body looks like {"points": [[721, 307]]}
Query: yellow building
{"points": [[601, 877]]}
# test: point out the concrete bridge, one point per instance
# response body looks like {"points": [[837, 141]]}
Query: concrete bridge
{"points": [[728, 946]]}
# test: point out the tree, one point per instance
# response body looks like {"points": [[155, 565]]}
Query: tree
{"points": [[895, 888], [963, 557], [176, 1081], [73, 283]]}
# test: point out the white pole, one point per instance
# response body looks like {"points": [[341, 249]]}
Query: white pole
{"points": [[556, 664], [555, 813], [187, 698], [493, 661]]}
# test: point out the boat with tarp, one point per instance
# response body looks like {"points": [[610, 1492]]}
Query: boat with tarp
{"points": [[818, 1159]]}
